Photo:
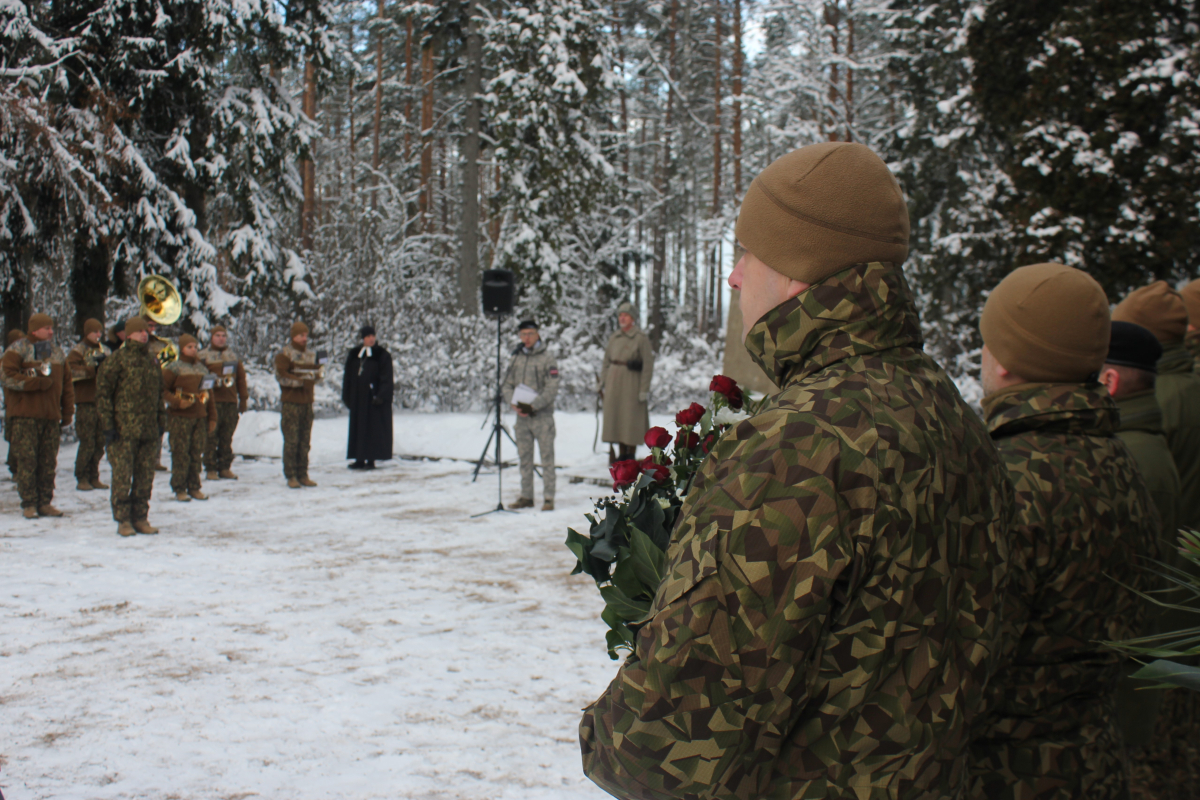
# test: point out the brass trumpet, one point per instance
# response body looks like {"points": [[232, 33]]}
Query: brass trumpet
{"points": [[227, 381], [195, 397], [43, 369]]}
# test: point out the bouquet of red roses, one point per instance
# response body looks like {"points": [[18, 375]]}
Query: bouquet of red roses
{"points": [[625, 549]]}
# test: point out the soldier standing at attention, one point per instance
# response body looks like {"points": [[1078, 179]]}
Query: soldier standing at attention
{"points": [[11, 460], [130, 407], [1084, 525], [833, 584], [83, 361], [155, 344], [625, 385], [191, 420], [296, 371], [1160, 309], [42, 402], [1191, 299], [1129, 375], [231, 394], [535, 367]]}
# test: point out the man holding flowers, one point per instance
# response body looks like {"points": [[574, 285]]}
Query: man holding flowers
{"points": [[832, 585]]}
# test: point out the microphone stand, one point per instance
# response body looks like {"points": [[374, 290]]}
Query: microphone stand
{"points": [[497, 429]]}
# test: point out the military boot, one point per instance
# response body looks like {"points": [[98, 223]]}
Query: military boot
{"points": [[522, 502], [228, 475], [48, 511], [96, 484], [144, 526], [548, 505], [182, 497], [126, 529], [84, 486], [196, 494], [161, 467], [293, 483], [307, 481], [30, 512], [212, 475]]}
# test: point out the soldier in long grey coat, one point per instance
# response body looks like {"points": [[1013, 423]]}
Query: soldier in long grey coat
{"points": [[625, 384], [533, 366]]}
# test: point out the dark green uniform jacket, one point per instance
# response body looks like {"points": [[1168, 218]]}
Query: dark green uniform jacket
{"points": [[1085, 522], [1178, 392], [129, 389], [831, 594]]}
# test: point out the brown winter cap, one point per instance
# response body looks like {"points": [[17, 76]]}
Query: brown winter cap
{"points": [[822, 208], [219, 327], [1191, 300], [15, 334], [92, 326], [39, 321], [298, 328], [185, 339], [135, 325], [1048, 323], [1158, 308]]}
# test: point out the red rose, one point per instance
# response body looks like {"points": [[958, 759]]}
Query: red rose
{"points": [[722, 384], [661, 473], [708, 442], [686, 440], [689, 416], [624, 473], [657, 437], [735, 398]]}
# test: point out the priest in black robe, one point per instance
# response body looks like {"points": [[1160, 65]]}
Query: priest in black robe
{"points": [[367, 391]]}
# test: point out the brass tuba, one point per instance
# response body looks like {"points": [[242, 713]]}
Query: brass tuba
{"points": [[161, 302]]}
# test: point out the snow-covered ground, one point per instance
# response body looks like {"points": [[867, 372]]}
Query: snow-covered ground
{"points": [[363, 639]]}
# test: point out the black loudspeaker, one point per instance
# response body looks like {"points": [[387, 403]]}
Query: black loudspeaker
{"points": [[497, 291]]}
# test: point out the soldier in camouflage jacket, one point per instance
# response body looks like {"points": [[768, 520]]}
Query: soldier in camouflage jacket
{"points": [[1084, 524], [131, 411], [826, 623], [83, 362]]}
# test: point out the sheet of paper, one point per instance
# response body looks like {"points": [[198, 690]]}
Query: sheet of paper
{"points": [[523, 394]]}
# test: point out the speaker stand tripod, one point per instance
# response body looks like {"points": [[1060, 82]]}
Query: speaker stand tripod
{"points": [[498, 430]]}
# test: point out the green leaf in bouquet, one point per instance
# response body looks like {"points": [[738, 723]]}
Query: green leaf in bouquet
{"points": [[626, 578], [579, 544], [624, 607], [1168, 672], [647, 559], [616, 640], [651, 516]]}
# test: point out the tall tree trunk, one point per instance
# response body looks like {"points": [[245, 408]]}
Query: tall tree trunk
{"points": [[468, 259], [15, 296], [737, 100], [657, 320], [308, 168], [849, 72], [89, 280], [711, 261], [408, 82], [353, 136], [378, 107], [426, 193]]}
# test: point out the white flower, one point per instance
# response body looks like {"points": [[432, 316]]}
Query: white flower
{"points": [[727, 416], [663, 503]]}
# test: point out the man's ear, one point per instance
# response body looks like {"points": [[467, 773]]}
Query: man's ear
{"points": [[795, 287], [1111, 380]]}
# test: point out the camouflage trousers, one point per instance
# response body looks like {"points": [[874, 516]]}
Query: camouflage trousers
{"points": [[133, 463], [11, 460], [539, 428], [219, 453], [1086, 762], [188, 437], [35, 447], [91, 442], [296, 421]]}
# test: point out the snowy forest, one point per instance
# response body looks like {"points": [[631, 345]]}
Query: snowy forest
{"points": [[362, 162]]}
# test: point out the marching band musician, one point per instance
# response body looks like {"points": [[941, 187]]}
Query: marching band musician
{"points": [[192, 417], [41, 401], [297, 371], [83, 361], [231, 394]]}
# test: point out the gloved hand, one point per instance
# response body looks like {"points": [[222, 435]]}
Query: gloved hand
{"points": [[212, 427], [39, 383], [110, 436], [186, 402], [241, 406], [376, 400]]}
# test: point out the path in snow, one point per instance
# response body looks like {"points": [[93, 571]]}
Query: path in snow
{"points": [[363, 639]]}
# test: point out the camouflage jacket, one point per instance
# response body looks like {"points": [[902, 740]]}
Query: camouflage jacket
{"points": [[830, 603], [82, 363], [1178, 393], [129, 389], [183, 376], [537, 369], [30, 394], [296, 387], [1084, 523], [1192, 343], [224, 362]]}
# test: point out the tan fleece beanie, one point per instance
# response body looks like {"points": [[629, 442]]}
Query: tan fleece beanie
{"points": [[135, 325], [298, 328], [1191, 301], [92, 326], [1048, 323], [15, 334], [219, 327], [822, 208], [186, 339], [1157, 308], [39, 321]]}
